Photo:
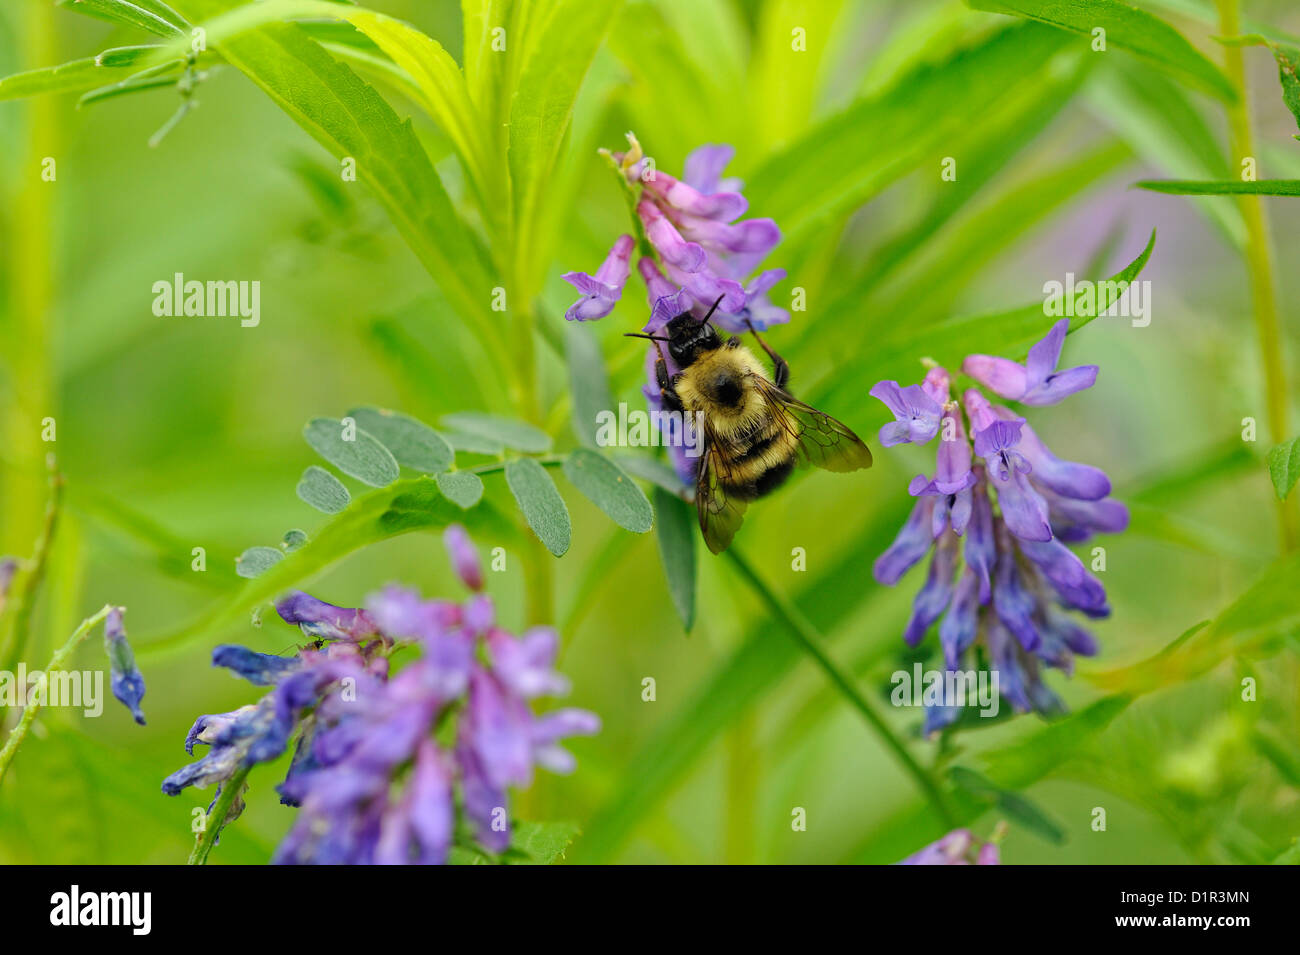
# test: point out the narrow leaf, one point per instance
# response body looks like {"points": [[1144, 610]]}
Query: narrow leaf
{"points": [[256, 560], [513, 434], [675, 520], [464, 488], [1288, 63], [1227, 187], [323, 490], [1284, 467], [142, 15], [603, 483], [539, 499], [1126, 28], [412, 443], [353, 451]]}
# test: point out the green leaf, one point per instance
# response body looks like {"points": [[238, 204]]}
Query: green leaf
{"points": [[827, 172], [361, 457], [1015, 806], [350, 119], [465, 488], [676, 522], [75, 76], [588, 382], [1288, 63], [142, 14], [293, 539], [603, 483], [540, 843], [473, 443], [1227, 187], [257, 560], [409, 505], [1127, 28], [563, 36], [513, 434], [412, 443], [323, 490], [543, 508], [653, 470], [1284, 467], [1029, 816]]}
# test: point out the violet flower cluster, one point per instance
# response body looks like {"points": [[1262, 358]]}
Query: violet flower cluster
{"points": [[703, 252], [383, 762], [998, 521]]}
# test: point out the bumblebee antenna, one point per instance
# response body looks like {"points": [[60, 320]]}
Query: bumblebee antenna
{"points": [[653, 338], [714, 307]]}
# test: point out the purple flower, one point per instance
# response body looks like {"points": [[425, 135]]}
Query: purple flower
{"points": [[124, 676], [955, 849], [464, 556], [601, 292], [1037, 382], [1002, 588], [916, 413], [317, 619], [8, 568], [380, 756]]}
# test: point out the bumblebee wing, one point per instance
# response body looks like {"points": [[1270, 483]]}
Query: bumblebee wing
{"points": [[720, 514], [823, 441]]}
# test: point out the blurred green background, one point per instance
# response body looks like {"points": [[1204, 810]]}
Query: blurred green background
{"points": [[175, 433]]}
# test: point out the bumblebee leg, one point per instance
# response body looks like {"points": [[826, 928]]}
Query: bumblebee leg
{"points": [[666, 390], [780, 367]]}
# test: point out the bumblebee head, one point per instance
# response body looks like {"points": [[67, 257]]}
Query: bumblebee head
{"points": [[689, 338]]}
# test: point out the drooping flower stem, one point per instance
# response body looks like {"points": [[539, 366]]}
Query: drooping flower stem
{"points": [[1259, 261], [57, 662], [810, 641], [230, 791]]}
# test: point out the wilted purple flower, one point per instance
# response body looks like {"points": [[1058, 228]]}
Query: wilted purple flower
{"points": [[601, 292], [375, 769], [1037, 382], [124, 676], [1004, 585], [956, 849]]}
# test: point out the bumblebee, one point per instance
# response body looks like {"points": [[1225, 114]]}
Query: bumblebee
{"points": [[755, 431]]}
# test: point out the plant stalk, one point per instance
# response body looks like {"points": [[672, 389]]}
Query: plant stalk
{"points": [[57, 662], [1260, 263], [811, 642]]}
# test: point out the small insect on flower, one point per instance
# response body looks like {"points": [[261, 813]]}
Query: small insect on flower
{"points": [[754, 430]]}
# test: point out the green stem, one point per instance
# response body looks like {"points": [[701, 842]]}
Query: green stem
{"points": [[1259, 262], [549, 461], [220, 809], [810, 641], [57, 662], [26, 600]]}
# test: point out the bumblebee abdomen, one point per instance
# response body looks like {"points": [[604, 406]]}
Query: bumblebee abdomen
{"points": [[760, 462]]}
